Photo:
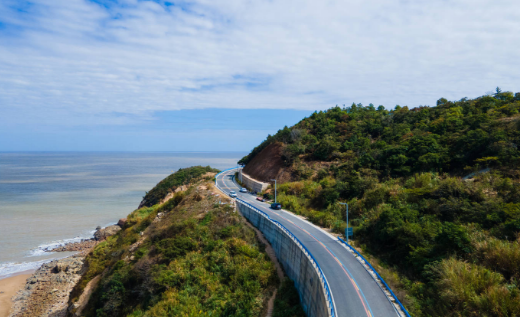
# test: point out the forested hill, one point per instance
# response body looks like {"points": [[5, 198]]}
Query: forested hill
{"points": [[454, 136], [434, 195]]}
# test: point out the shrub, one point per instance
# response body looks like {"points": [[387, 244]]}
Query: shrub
{"points": [[187, 265], [181, 177], [472, 290], [499, 255], [287, 302]]}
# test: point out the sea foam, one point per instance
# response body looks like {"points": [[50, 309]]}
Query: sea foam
{"points": [[13, 268], [9, 269], [44, 249]]}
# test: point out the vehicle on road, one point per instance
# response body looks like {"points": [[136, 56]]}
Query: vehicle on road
{"points": [[232, 194], [243, 190], [260, 199], [276, 206]]}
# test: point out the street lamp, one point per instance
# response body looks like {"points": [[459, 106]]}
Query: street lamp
{"points": [[346, 231], [274, 190]]}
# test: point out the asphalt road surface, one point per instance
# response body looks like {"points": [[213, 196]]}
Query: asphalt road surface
{"points": [[354, 291]]}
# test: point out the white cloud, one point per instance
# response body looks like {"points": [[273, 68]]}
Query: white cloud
{"points": [[74, 59]]}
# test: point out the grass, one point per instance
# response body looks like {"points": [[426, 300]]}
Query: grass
{"points": [[467, 289]]}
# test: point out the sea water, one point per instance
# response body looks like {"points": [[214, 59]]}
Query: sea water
{"points": [[48, 199]]}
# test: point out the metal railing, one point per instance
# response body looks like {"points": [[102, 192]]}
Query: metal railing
{"points": [[323, 280], [377, 274], [306, 251], [313, 260]]}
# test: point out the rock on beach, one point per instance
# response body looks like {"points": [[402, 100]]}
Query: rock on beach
{"points": [[85, 245], [103, 233], [121, 222]]}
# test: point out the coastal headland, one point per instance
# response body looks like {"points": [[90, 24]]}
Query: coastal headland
{"points": [[186, 230]]}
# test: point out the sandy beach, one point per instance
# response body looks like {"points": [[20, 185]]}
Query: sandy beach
{"points": [[8, 288]]}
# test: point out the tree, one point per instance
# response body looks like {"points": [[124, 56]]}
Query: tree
{"points": [[325, 148]]}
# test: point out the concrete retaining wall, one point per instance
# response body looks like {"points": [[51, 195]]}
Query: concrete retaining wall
{"points": [[297, 261], [251, 183]]}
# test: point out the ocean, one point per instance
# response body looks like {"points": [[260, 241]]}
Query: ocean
{"points": [[50, 198]]}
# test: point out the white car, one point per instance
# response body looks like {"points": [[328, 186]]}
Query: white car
{"points": [[243, 190], [232, 194]]}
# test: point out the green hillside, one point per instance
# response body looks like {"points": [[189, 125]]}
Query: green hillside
{"points": [[189, 256], [182, 177], [434, 195]]}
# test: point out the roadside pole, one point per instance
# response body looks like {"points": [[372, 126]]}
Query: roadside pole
{"points": [[346, 230], [274, 190]]}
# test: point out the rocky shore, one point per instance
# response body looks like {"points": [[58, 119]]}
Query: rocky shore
{"points": [[82, 246], [46, 293], [87, 244]]}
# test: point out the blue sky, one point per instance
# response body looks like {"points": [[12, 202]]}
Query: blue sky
{"points": [[200, 75], [181, 130]]}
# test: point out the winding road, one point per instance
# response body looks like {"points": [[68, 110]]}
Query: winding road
{"points": [[354, 290]]}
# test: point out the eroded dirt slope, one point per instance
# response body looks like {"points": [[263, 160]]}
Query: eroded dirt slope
{"points": [[268, 164]]}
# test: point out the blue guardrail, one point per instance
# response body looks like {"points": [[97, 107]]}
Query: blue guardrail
{"points": [[377, 274], [292, 236], [306, 251]]}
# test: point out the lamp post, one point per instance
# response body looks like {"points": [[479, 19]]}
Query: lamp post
{"points": [[346, 231], [274, 190]]}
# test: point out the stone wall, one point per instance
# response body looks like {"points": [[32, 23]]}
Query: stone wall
{"points": [[296, 261], [251, 183]]}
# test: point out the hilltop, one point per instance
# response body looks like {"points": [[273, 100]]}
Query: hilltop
{"points": [[434, 194]]}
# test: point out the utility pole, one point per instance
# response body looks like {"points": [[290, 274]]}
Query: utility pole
{"points": [[274, 190], [346, 231]]}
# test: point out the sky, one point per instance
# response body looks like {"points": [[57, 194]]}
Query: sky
{"points": [[208, 75]]}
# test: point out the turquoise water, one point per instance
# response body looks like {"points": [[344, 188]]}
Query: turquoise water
{"points": [[47, 199]]}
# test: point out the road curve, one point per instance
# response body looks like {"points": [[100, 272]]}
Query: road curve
{"points": [[354, 290]]}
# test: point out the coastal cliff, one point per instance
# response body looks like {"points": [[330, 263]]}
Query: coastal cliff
{"points": [[187, 255], [190, 253]]}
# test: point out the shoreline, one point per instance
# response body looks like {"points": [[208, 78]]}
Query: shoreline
{"points": [[9, 287], [31, 271], [45, 290], [59, 249]]}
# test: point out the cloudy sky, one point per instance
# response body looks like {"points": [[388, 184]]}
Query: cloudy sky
{"points": [[222, 74]]}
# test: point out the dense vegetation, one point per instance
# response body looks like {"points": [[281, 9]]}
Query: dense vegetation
{"points": [[182, 177], [287, 303], [190, 256], [453, 240]]}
